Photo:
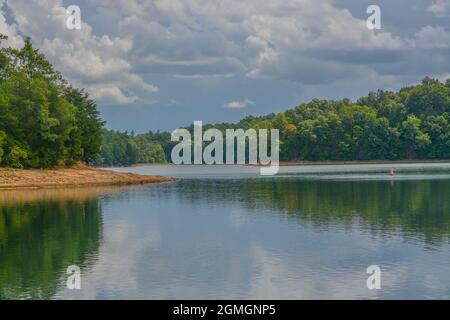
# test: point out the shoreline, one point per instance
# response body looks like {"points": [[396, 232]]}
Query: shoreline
{"points": [[306, 163], [14, 179], [339, 162]]}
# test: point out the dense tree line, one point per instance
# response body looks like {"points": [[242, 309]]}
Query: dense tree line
{"points": [[413, 123], [44, 121], [123, 148]]}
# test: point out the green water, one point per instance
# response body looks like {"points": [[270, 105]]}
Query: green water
{"points": [[228, 233], [39, 239]]}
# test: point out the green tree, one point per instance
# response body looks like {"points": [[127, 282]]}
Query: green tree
{"points": [[44, 119], [414, 140]]}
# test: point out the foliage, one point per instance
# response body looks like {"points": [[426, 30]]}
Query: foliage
{"points": [[43, 119], [413, 123], [120, 149]]}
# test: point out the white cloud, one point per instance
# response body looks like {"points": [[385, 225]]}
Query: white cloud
{"points": [[311, 42], [433, 37], [198, 38], [111, 95], [9, 30], [98, 63], [440, 8], [238, 104]]}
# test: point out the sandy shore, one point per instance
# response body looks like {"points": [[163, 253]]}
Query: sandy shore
{"points": [[71, 177]]}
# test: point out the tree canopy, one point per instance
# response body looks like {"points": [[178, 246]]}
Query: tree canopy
{"points": [[43, 119], [412, 123]]}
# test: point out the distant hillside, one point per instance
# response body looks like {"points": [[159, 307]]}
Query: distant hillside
{"points": [[410, 124]]}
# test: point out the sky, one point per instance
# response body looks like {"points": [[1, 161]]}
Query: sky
{"points": [[162, 64]]}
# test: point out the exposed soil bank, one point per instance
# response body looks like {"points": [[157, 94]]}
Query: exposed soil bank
{"points": [[71, 177]]}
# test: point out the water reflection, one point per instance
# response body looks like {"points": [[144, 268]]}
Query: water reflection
{"points": [[42, 232], [411, 207], [283, 237]]}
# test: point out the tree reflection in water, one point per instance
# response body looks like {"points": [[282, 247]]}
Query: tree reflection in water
{"points": [[42, 232]]}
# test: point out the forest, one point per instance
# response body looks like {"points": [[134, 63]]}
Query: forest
{"points": [[123, 148], [46, 122], [412, 123]]}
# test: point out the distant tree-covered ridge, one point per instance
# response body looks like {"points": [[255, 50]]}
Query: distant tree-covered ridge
{"points": [[410, 124], [44, 121], [123, 148]]}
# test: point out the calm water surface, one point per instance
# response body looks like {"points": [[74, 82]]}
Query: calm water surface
{"points": [[225, 232]]}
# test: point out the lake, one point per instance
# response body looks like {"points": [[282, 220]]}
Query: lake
{"points": [[224, 232]]}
